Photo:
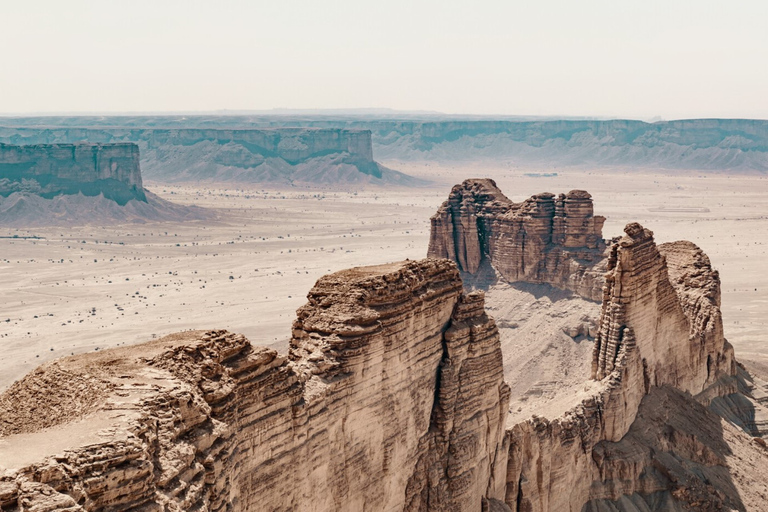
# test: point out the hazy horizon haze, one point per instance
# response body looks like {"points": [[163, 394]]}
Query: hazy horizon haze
{"points": [[672, 60]]}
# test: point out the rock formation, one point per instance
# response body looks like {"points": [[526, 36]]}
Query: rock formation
{"points": [[392, 395], [391, 398], [545, 239], [660, 339], [659, 342], [285, 155], [49, 170]]}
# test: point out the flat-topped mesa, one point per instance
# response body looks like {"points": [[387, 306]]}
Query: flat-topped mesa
{"points": [[50, 170], [392, 398], [545, 239]]}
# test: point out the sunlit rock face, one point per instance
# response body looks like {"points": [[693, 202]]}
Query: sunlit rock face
{"points": [[49, 170], [545, 239], [391, 398]]}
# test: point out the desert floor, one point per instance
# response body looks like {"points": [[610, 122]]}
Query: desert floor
{"points": [[88, 288]]}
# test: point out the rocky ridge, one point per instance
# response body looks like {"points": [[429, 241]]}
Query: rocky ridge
{"points": [[732, 145], [49, 170], [659, 341], [391, 398]]}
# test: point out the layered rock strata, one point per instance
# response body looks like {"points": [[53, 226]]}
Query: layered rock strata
{"points": [[545, 239], [660, 338], [49, 170], [391, 398]]}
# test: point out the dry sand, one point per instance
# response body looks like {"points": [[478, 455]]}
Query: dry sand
{"points": [[250, 271]]}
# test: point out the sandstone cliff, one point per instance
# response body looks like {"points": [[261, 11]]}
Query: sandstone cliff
{"points": [[545, 239], [659, 343], [49, 170], [391, 398]]}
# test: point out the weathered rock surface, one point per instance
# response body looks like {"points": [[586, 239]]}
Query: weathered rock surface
{"points": [[391, 398], [545, 239], [659, 343]]}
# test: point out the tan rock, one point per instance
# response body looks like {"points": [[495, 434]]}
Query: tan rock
{"points": [[545, 239]]}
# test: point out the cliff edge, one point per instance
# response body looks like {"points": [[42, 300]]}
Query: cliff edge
{"points": [[391, 398]]}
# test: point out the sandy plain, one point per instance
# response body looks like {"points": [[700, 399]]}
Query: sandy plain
{"points": [[87, 288]]}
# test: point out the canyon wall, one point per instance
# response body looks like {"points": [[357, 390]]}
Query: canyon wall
{"points": [[545, 239], [257, 155], [391, 398], [49, 170]]}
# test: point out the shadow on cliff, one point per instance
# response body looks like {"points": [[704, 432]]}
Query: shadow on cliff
{"points": [[681, 447], [486, 276]]}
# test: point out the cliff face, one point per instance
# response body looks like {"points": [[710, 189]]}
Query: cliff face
{"points": [[250, 155], [391, 398], [660, 336], [546, 239], [49, 170]]}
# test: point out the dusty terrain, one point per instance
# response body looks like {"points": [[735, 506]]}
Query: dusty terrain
{"points": [[249, 271]]}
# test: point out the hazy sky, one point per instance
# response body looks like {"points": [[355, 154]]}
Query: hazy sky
{"points": [[638, 58]]}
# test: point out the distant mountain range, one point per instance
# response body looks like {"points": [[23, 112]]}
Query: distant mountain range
{"points": [[731, 145]]}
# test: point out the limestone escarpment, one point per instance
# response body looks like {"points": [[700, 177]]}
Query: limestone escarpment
{"points": [[545, 239], [391, 398], [49, 170], [284, 155], [696, 144]]}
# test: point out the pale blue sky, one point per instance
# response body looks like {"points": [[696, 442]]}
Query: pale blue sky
{"points": [[673, 58]]}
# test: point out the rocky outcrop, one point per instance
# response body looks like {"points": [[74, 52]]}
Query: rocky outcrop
{"points": [[285, 155], [545, 239], [49, 170], [391, 398], [660, 338]]}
